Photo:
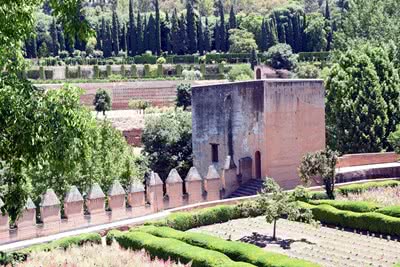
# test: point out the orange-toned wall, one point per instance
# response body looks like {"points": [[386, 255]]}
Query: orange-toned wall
{"points": [[366, 159]]}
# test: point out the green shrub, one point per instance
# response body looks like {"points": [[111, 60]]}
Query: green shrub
{"points": [[96, 72], [167, 248], [139, 104], [66, 242], [123, 70], [48, 74], [78, 72], [133, 71], [188, 220], [240, 72], [160, 71], [203, 69], [111, 235], [66, 72], [358, 188], [237, 251], [161, 60], [179, 70], [221, 68], [108, 68], [393, 211], [367, 221], [41, 73], [146, 70], [318, 195], [356, 206]]}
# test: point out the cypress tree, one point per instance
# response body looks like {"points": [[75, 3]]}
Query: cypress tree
{"points": [[157, 29], [232, 19], [151, 35], [253, 59], [123, 39], [191, 27], [139, 35], [207, 38], [200, 36], [217, 38], [55, 47], [182, 36], [132, 44], [115, 33], [107, 43], [222, 33], [264, 36], [98, 37], [145, 34], [328, 26], [61, 39], [165, 35], [103, 31], [175, 42]]}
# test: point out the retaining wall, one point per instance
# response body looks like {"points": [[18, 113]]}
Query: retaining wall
{"points": [[350, 160]]}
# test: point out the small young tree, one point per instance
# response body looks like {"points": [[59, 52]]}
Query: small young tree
{"points": [[320, 164], [184, 95], [102, 101], [277, 204]]}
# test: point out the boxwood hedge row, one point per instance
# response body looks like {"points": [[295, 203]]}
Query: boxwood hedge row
{"points": [[358, 188], [356, 206], [237, 251], [367, 221], [393, 211], [167, 248]]}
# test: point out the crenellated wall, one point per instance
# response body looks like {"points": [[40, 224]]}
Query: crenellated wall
{"points": [[115, 205]]}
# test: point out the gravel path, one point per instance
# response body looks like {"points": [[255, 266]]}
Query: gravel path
{"points": [[326, 246]]}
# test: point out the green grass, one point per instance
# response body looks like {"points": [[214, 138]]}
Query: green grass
{"points": [[168, 248], [237, 251]]}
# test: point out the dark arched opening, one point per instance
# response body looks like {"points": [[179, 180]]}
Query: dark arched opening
{"points": [[258, 74], [257, 161]]}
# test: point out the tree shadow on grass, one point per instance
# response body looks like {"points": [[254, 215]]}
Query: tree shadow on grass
{"points": [[264, 240]]}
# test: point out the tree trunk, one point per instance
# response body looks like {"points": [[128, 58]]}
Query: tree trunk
{"points": [[274, 234]]}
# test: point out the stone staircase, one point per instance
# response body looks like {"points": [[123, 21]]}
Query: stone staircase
{"points": [[252, 187]]}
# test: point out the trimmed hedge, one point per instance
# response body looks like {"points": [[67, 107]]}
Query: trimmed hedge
{"points": [[367, 221], [167, 248], [358, 188], [356, 206], [237, 251], [188, 220], [393, 211]]}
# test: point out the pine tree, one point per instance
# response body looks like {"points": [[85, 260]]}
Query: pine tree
{"points": [[107, 43], [115, 33], [221, 32], [157, 29], [191, 28], [200, 36], [207, 38], [139, 35], [175, 42], [132, 43], [55, 47]]}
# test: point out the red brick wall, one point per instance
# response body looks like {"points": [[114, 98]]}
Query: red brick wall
{"points": [[366, 159]]}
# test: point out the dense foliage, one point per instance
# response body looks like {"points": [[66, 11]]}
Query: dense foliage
{"points": [[102, 101], [167, 141]]}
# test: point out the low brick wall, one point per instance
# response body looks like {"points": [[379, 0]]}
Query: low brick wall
{"points": [[350, 160]]}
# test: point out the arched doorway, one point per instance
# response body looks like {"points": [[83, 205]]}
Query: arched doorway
{"points": [[258, 74], [257, 162]]}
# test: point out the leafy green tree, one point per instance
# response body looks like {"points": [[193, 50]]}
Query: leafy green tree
{"points": [[277, 203], [321, 164], [240, 72], [356, 110], [102, 101], [316, 35], [394, 139], [184, 95], [241, 41], [167, 141], [281, 56]]}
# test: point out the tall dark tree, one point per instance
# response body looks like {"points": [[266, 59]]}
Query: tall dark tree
{"points": [[123, 40], [165, 34], [132, 43], [115, 33], [107, 41], [61, 39], [151, 39], [264, 36], [55, 46], [232, 19], [217, 38], [31, 47], [221, 28], [200, 37], [182, 36], [328, 26], [191, 27], [98, 37], [139, 35], [157, 29], [145, 34], [175, 41], [207, 37], [253, 59]]}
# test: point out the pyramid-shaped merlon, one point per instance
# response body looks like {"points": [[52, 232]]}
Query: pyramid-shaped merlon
{"points": [[155, 179], [116, 189], [73, 195], [49, 199], [212, 173], [95, 192], [193, 175], [173, 177]]}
